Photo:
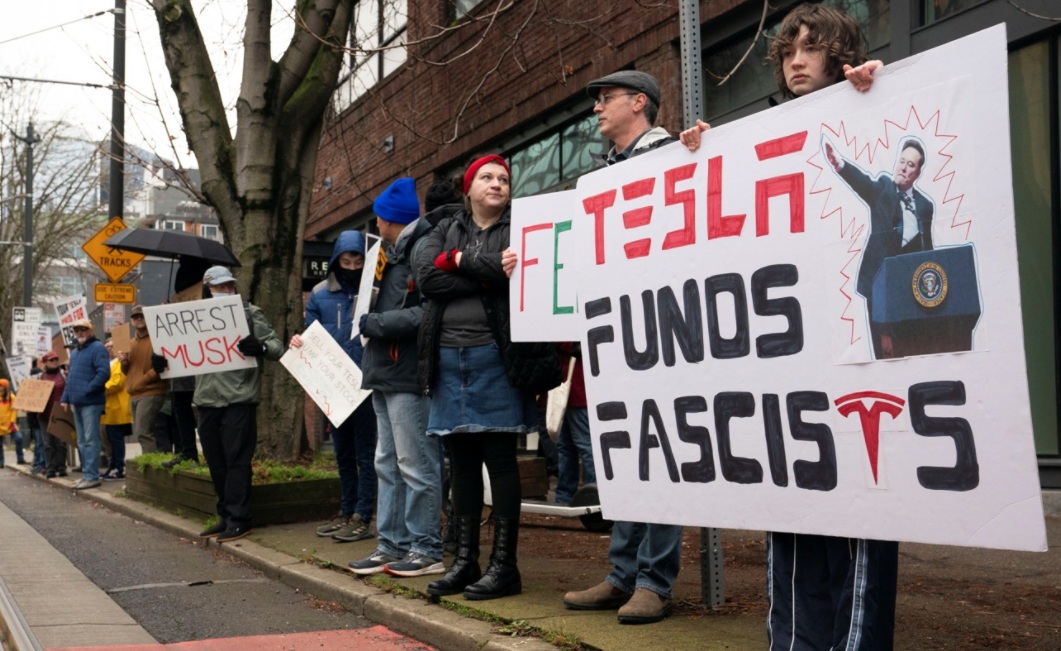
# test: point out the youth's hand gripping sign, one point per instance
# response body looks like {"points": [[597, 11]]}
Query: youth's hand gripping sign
{"points": [[729, 367], [199, 337]]}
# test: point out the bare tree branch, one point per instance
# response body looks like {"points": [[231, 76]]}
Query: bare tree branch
{"points": [[1032, 14], [758, 33]]}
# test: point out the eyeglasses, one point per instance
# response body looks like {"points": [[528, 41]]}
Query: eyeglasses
{"points": [[604, 99]]}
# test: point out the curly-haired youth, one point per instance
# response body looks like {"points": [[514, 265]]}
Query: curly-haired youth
{"points": [[837, 35]]}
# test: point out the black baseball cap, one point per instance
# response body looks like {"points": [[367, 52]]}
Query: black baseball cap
{"points": [[642, 82]]}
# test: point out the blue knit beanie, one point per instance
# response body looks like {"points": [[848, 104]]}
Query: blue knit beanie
{"points": [[398, 203]]}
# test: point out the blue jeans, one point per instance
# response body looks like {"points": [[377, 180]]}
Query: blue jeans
{"points": [[17, 435], [86, 421], [116, 435], [645, 556], [38, 446], [409, 468], [573, 444], [355, 447]]}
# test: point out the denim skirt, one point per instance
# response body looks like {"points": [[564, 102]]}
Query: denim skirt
{"points": [[471, 393]]}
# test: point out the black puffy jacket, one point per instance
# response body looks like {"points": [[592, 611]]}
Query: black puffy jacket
{"points": [[480, 274]]}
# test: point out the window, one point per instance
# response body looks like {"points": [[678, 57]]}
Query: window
{"points": [[754, 79], [170, 225], [210, 231], [555, 158], [461, 8], [933, 10], [71, 285], [1034, 119], [377, 48]]}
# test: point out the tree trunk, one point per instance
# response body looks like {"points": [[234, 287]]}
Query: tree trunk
{"points": [[260, 181]]}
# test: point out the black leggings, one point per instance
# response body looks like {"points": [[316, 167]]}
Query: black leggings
{"points": [[468, 453]]}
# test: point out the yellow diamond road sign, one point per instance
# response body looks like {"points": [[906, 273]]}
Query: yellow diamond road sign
{"points": [[113, 262], [108, 293]]}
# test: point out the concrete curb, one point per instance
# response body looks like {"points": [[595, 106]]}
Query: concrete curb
{"points": [[412, 616]]}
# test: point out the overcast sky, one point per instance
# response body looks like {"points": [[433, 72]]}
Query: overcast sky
{"points": [[83, 52]]}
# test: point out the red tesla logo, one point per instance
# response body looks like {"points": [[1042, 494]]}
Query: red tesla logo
{"points": [[870, 405]]}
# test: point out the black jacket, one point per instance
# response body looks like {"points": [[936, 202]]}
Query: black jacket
{"points": [[480, 274], [390, 360]]}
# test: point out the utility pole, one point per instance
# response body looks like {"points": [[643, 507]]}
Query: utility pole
{"points": [[27, 233], [116, 205]]}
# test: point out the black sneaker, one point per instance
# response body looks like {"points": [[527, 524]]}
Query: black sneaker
{"points": [[353, 530], [234, 533], [113, 475], [335, 524], [415, 564], [215, 530], [374, 564]]}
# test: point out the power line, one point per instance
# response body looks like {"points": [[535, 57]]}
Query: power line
{"points": [[56, 81], [46, 29]]}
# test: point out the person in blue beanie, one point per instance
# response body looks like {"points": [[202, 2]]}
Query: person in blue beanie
{"points": [[332, 303], [90, 368], [408, 461]]}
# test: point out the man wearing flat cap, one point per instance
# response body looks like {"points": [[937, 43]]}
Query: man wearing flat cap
{"points": [[90, 368], [228, 408], [147, 390], [645, 557]]}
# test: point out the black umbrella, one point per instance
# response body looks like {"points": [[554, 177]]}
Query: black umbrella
{"points": [[171, 244]]}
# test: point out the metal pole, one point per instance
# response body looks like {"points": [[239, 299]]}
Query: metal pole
{"points": [[27, 233], [117, 181], [712, 586], [692, 75]]}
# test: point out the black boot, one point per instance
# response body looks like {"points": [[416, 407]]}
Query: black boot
{"points": [[502, 576], [465, 569]]}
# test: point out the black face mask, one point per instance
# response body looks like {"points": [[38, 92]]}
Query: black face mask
{"points": [[348, 277]]}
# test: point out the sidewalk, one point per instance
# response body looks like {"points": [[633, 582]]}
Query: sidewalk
{"points": [[294, 555], [53, 598]]}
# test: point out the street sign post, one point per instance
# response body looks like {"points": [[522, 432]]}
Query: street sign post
{"points": [[114, 293], [114, 262]]}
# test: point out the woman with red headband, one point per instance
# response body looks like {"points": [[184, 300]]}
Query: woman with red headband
{"points": [[481, 385]]}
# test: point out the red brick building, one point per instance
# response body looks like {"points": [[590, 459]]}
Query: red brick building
{"points": [[460, 77]]}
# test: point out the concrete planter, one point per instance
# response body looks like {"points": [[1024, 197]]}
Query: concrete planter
{"points": [[193, 495]]}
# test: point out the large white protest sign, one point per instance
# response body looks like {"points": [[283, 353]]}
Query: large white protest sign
{"points": [[544, 280], [199, 337], [327, 373], [70, 309], [24, 324], [19, 367], [369, 287], [733, 377]]}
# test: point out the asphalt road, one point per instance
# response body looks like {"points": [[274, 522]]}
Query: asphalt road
{"points": [[177, 590]]}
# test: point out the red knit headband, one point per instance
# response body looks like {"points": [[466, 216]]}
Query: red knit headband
{"points": [[474, 167]]}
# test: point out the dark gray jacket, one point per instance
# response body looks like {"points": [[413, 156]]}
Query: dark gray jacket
{"points": [[480, 274], [391, 357]]}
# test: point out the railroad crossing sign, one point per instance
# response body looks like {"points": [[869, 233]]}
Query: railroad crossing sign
{"points": [[113, 262], [109, 293]]}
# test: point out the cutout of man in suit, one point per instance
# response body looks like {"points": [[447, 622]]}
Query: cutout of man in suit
{"points": [[900, 216]]}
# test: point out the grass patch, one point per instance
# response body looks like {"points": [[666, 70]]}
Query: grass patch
{"points": [[263, 471]]}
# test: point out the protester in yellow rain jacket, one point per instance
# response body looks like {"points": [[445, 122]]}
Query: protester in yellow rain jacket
{"points": [[117, 417], [8, 419]]}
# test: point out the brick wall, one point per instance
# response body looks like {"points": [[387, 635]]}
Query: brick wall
{"points": [[533, 59]]}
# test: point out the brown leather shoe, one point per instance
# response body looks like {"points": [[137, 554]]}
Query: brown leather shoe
{"points": [[603, 596], [644, 607]]}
